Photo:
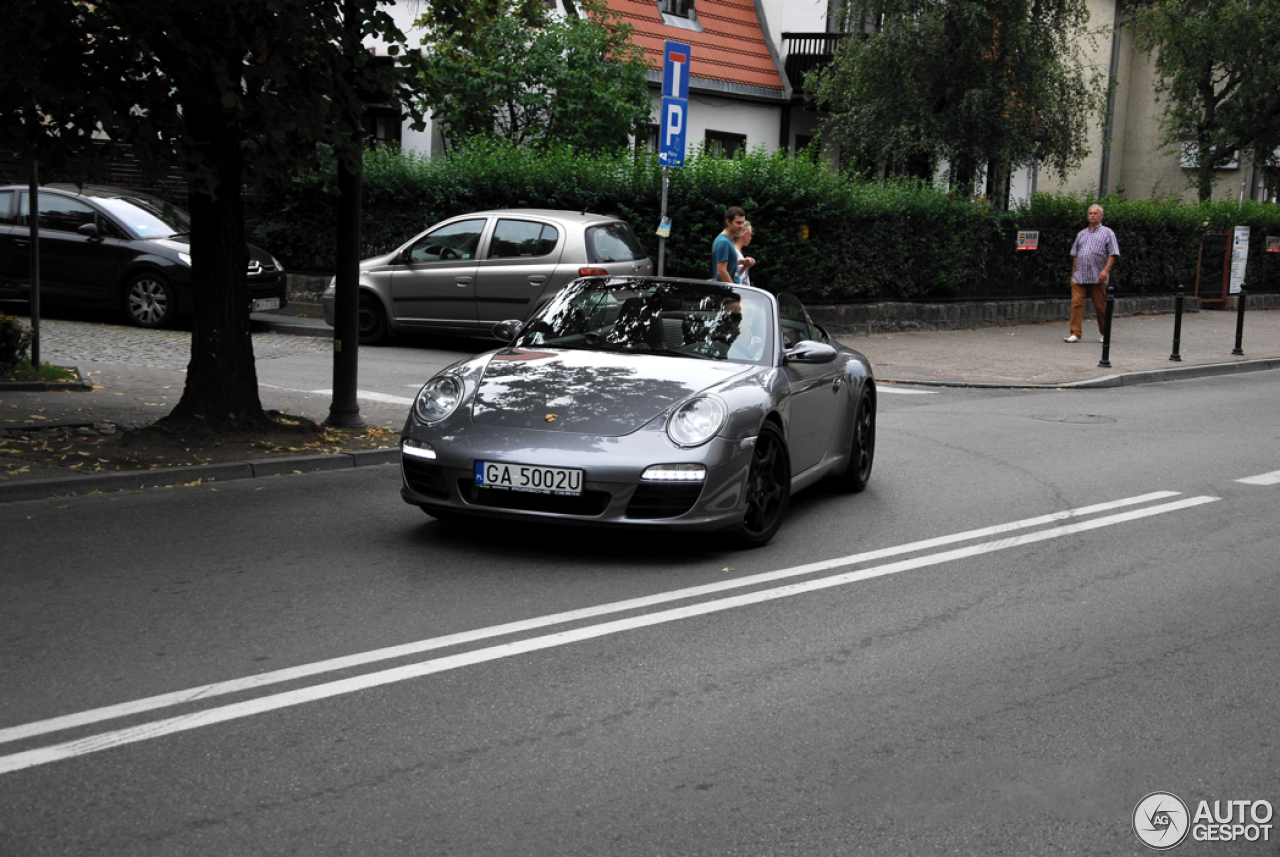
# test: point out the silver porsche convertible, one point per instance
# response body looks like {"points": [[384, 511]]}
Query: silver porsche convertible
{"points": [[645, 402]]}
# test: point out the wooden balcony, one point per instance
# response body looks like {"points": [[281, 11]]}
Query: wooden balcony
{"points": [[805, 52]]}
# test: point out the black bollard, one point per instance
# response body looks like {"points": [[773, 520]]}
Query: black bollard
{"points": [[1177, 326], [1105, 362], [1239, 352]]}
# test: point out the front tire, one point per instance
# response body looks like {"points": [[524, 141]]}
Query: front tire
{"points": [[373, 326], [768, 489], [862, 445], [149, 301]]}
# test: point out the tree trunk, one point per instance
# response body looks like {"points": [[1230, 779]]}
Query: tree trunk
{"points": [[998, 176], [221, 392]]}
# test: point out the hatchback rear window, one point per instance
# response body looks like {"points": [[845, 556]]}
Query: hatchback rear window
{"points": [[612, 242]]}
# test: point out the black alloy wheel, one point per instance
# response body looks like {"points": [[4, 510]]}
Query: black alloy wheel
{"points": [[768, 488], [148, 301], [372, 320], [862, 445]]}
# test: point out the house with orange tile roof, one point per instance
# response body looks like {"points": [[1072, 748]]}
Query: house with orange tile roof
{"points": [[737, 89]]}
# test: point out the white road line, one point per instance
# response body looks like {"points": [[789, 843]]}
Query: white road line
{"points": [[1272, 478], [369, 397], [195, 694], [901, 391], [195, 720]]}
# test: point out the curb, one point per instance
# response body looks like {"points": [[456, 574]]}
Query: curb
{"points": [[83, 385], [1127, 379], [170, 477], [1155, 376], [287, 324], [298, 329]]}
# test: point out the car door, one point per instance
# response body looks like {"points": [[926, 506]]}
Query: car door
{"points": [[814, 389], [13, 258], [433, 282], [521, 258], [73, 264]]}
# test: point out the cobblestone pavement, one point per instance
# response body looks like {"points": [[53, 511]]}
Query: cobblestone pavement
{"points": [[68, 343]]}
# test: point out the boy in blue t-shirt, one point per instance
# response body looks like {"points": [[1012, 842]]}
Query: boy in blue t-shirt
{"points": [[724, 256]]}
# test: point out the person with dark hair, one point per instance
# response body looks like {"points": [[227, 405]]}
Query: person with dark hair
{"points": [[724, 256], [1092, 256]]}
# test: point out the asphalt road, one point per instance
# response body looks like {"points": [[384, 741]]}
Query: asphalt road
{"points": [[1046, 606]]}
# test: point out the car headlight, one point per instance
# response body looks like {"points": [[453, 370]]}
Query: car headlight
{"points": [[332, 287], [696, 421], [439, 398], [185, 258]]}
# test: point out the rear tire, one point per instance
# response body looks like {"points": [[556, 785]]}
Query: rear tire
{"points": [[149, 302], [862, 446], [373, 326], [768, 489]]}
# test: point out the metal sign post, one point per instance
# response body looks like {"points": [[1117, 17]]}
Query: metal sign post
{"points": [[664, 228], [33, 218], [671, 133]]}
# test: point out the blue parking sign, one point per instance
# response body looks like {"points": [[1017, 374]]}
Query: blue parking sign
{"points": [[671, 133]]}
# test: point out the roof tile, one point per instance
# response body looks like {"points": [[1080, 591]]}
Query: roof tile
{"points": [[731, 48]]}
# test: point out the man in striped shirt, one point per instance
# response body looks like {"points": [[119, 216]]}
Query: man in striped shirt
{"points": [[1092, 256]]}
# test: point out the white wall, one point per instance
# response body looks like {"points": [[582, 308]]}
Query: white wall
{"points": [[794, 16], [759, 122], [425, 142]]}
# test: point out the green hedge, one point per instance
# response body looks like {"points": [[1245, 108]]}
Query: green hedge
{"points": [[824, 236]]}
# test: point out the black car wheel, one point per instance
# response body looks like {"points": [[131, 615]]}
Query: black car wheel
{"points": [[372, 320], [862, 445], [148, 301], [768, 488]]}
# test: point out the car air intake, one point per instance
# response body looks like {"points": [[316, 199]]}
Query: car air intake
{"points": [[663, 501]]}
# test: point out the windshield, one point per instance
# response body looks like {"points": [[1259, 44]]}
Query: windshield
{"points": [[697, 319], [147, 218]]}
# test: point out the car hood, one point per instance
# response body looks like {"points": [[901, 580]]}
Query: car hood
{"points": [[181, 245], [588, 392]]}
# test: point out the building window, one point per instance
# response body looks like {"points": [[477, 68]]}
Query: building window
{"points": [[725, 145], [382, 127], [1190, 158], [677, 8], [647, 138], [679, 14]]}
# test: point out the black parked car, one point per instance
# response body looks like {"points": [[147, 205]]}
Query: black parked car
{"points": [[114, 248]]}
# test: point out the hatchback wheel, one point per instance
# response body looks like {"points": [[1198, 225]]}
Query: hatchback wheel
{"points": [[148, 301], [372, 320], [768, 488]]}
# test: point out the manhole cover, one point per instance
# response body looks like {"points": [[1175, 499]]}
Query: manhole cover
{"points": [[1076, 419]]}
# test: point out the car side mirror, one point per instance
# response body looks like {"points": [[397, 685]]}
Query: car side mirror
{"points": [[90, 231], [809, 351], [507, 330]]}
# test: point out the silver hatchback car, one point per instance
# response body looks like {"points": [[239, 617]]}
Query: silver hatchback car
{"points": [[469, 272]]}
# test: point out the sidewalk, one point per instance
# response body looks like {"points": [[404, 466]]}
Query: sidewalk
{"points": [[1032, 356], [1036, 356]]}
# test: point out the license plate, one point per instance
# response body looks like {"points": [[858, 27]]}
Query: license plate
{"points": [[532, 478], [266, 303]]}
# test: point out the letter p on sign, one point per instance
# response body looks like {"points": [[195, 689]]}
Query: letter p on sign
{"points": [[674, 113]]}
